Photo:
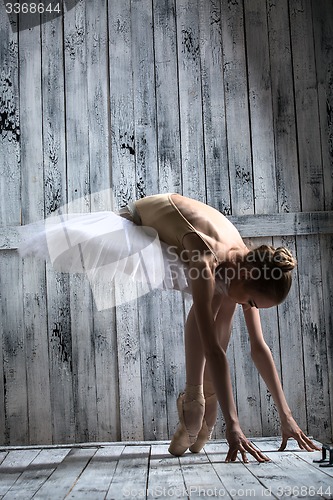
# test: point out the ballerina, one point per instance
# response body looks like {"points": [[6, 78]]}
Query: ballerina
{"points": [[202, 253]]}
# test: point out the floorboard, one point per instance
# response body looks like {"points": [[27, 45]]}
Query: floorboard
{"points": [[146, 470]]}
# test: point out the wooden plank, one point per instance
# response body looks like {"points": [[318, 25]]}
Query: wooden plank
{"points": [[273, 444], [55, 188], [291, 344], [247, 379], [60, 358], [121, 102], [36, 474], [322, 13], [305, 78], [10, 128], [144, 99], [270, 419], [101, 198], [2, 373], [10, 184], [167, 101], [213, 109], [286, 224], [326, 247], [34, 285], [130, 478], [199, 477], [190, 99], [94, 482], [171, 324], [260, 100], [108, 418], [153, 384], [169, 179], [314, 338], [78, 178], [309, 457], [287, 475], [151, 341], [217, 451], [250, 226], [62, 480], [124, 189], [12, 467], [16, 426], [165, 478], [3, 455], [237, 112], [285, 138], [237, 480]]}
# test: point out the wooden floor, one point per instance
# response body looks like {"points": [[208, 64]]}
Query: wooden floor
{"points": [[147, 470]]}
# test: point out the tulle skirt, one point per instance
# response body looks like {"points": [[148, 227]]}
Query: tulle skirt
{"points": [[108, 248]]}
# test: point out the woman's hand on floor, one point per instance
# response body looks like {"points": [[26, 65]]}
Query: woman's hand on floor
{"points": [[239, 443], [290, 429]]}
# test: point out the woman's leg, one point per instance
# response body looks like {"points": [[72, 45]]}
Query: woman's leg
{"points": [[191, 404], [211, 402]]}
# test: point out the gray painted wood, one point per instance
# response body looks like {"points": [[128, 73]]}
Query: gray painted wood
{"points": [[36, 474], [291, 344], [124, 189], [228, 102], [32, 194], [260, 101], [317, 376], [147, 470], [326, 244], [78, 184], [213, 106], [190, 99], [169, 309], [58, 332], [12, 466], [306, 100], [283, 99], [249, 226], [15, 426], [323, 40], [237, 108]]}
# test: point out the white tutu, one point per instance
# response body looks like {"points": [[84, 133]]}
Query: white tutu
{"points": [[106, 246]]}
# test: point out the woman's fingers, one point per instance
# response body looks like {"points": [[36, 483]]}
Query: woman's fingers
{"points": [[283, 444], [303, 441], [243, 449], [257, 454]]}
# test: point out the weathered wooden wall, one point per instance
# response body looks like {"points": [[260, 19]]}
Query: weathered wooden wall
{"points": [[229, 102]]}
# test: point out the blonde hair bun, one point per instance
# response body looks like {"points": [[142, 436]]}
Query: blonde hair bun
{"points": [[280, 258], [284, 260]]}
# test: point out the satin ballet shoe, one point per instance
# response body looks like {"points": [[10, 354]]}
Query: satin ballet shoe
{"points": [[205, 433], [183, 439]]}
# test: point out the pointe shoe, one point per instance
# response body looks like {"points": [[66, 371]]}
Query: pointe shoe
{"points": [[183, 438], [205, 433]]}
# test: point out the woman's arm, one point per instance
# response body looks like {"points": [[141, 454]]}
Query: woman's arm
{"points": [[203, 286], [264, 362]]}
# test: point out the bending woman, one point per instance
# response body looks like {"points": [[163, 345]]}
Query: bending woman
{"points": [[222, 272]]}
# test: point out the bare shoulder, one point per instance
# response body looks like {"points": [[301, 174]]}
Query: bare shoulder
{"points": [[222, 235]]}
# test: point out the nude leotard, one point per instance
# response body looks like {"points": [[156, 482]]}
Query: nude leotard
{"points": [[160, 212]]}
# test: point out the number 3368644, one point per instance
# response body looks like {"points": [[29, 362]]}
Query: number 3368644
{"points": [[31, 8]]}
